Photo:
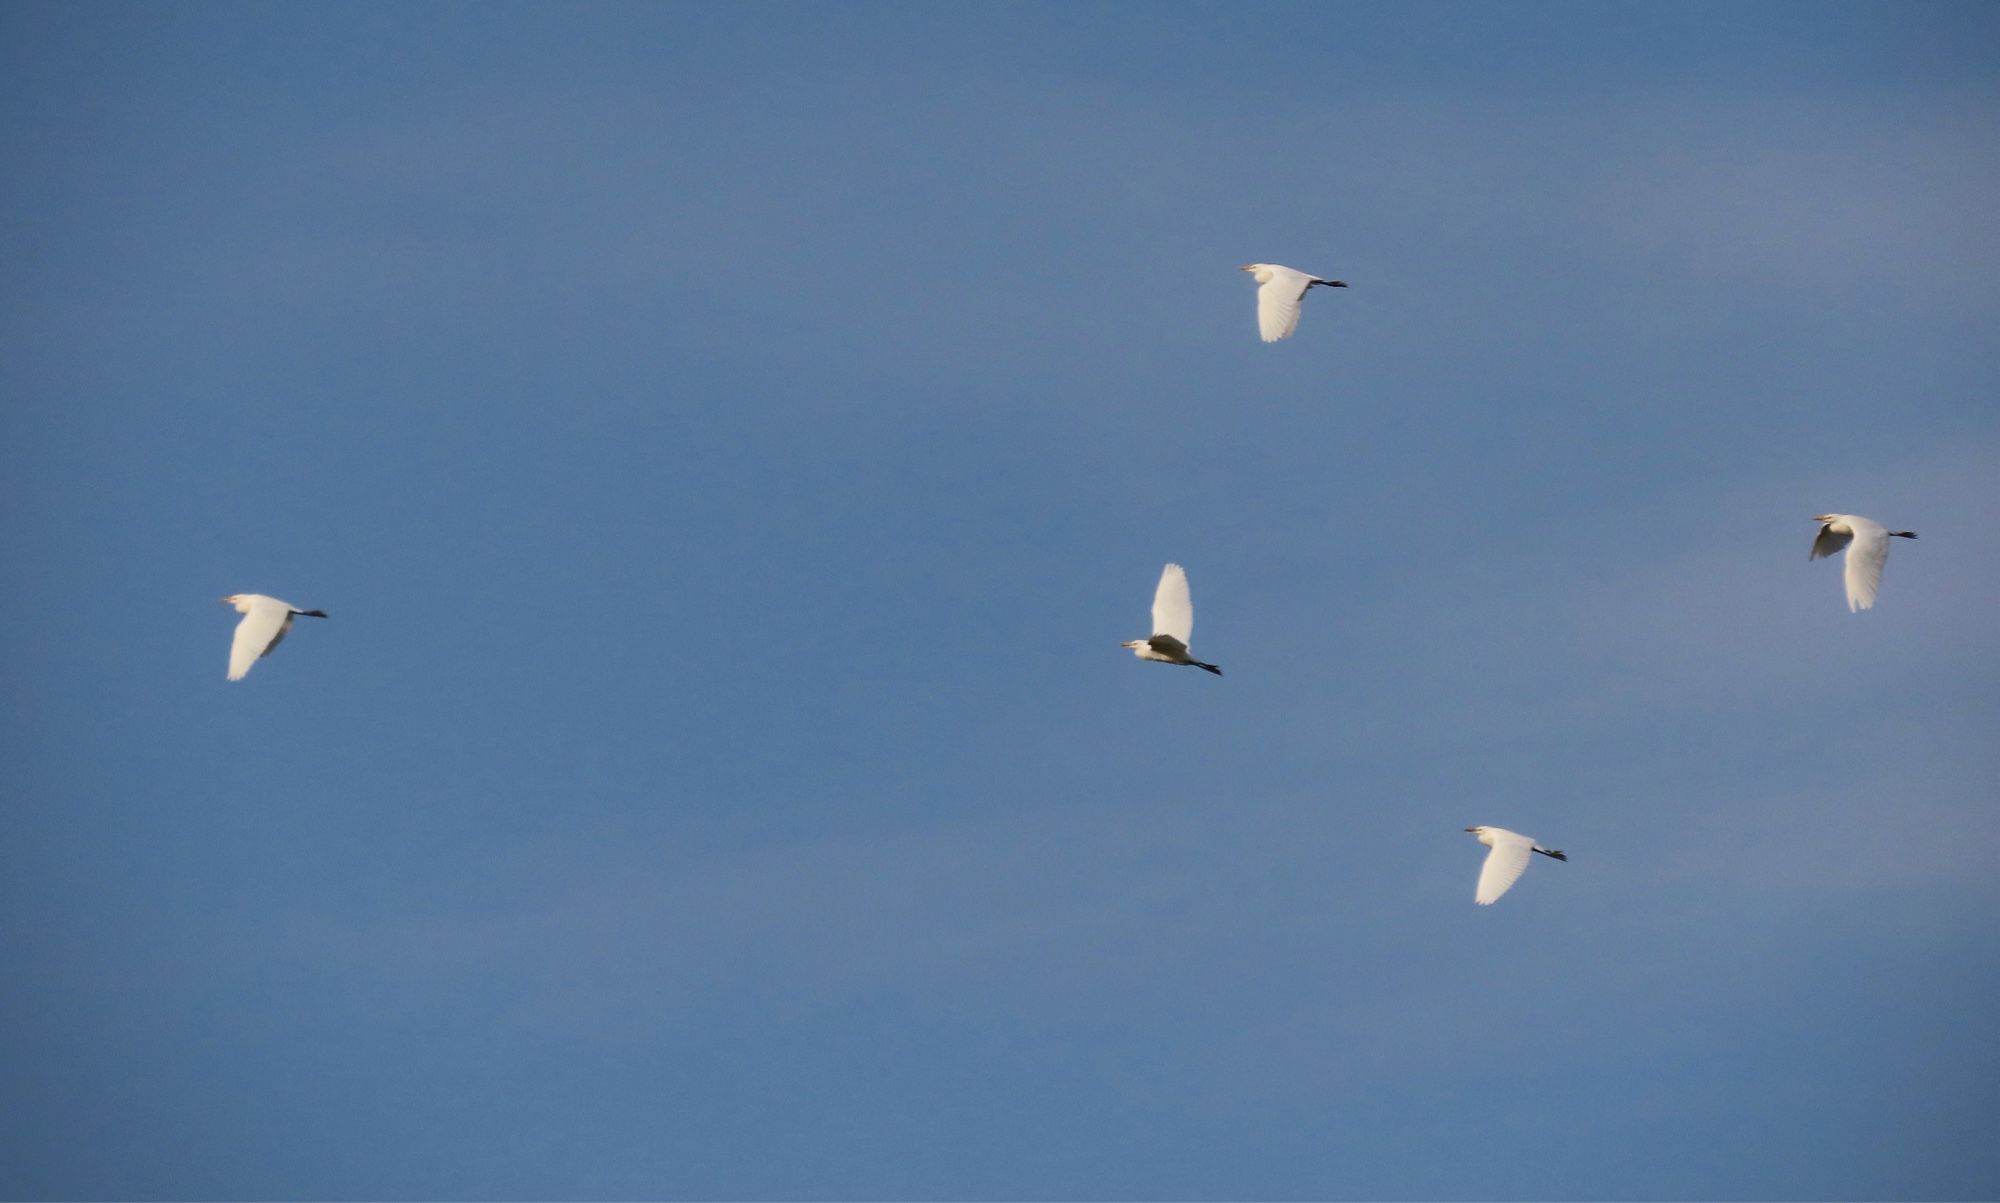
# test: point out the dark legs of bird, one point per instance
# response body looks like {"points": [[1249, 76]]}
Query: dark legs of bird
{"points": [[1210, 667], [1903, 534], [309, 613], [1551, 852], [1329, 283]]}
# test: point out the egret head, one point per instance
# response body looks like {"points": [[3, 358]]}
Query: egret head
{"points": [[232, 599]]}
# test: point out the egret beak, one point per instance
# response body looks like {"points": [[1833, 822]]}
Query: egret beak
{"points": [[1472, 829], [1246, 269]]}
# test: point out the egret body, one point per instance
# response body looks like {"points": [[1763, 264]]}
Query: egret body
{"points": [[1173, 623], [1279, 291], [1867, 544], [266, 621]]}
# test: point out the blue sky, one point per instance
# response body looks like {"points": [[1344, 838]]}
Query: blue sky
{"points": [[731, 443]]}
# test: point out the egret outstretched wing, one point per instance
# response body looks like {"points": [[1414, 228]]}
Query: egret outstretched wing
{"points": [[1865, 557], [1504, 866], [1829, 542], [1173, 609], [263, 628], [1278, 303]]}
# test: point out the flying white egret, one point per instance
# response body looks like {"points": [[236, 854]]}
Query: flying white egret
{"points": [[266, 620], [1505, 864], [1867, 544], [1279, 291], [1173, 623]]}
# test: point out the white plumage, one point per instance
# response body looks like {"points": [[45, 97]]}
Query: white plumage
{"points": [[1173, 623], [1867, 544], [1506, 862], [266, 622], [1173, 605], [1279, 291]]}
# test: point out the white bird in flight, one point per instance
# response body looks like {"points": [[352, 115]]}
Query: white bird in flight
{"points": [[1279, 291], [266, 620], [1173, 623], [1505, 864], [1867, 544]]}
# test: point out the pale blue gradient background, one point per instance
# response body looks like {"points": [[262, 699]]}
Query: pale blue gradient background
{"points": [[731, 443]]}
